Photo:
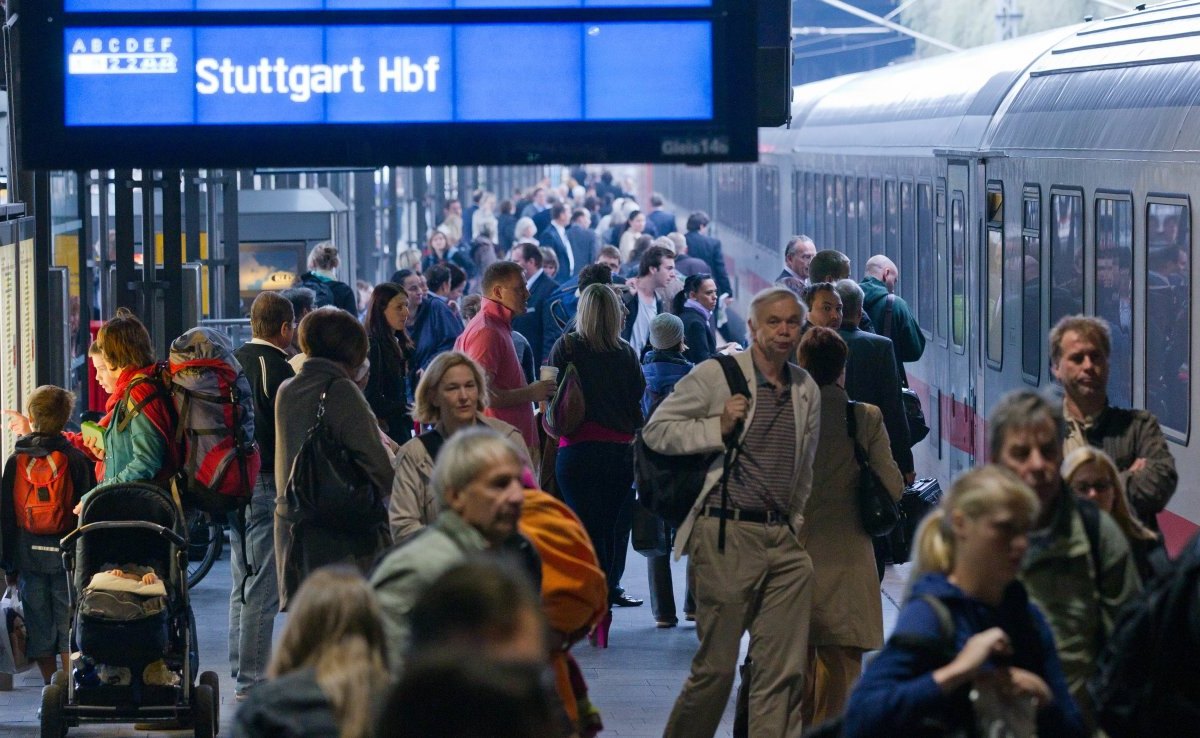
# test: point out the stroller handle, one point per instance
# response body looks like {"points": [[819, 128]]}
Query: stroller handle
{"points": [[170, 535]]}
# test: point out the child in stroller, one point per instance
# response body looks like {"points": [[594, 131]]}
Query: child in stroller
{"points": [[132, 623]]}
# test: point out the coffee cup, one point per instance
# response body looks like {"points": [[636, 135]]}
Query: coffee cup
{"points": [[549, 373]]}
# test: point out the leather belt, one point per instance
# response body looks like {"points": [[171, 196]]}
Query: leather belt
{"points": [[765, 517]]}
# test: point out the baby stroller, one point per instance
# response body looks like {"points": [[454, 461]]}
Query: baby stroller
{"points": [[118, 635]]}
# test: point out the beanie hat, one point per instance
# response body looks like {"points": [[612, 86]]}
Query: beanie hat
{"points": [[666, 331]]}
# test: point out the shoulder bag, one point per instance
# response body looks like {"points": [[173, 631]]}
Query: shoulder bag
{"points": [[565, 412], [876, 509]]}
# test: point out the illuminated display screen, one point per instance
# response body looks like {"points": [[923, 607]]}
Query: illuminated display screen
{"points": [[300, 83], [384, 74]]}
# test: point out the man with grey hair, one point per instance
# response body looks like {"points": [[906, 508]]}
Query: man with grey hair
{"points": [[1078, 568], [889, 313], [872, 375], [797, 255], [477, 477], [750, 571]]}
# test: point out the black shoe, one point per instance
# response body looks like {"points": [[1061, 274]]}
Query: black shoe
{"points": [[624, 600]]}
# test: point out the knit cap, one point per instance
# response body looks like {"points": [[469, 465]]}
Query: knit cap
{"points": [[666, 331]]}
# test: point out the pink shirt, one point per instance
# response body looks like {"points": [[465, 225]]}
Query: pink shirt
{"points": [[488, 340]]}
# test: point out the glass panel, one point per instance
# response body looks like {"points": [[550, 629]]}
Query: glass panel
{"points": [[1114, 292], [1168, 313], [1066, 256], [767, 207], [852, 213], [809, 208], [818, 231], [864, 216], [995, 272], [908, 244], [798, 206], [892, 220], [830, 232], [876, 218], [839, 213], [1031, 289], [943, 311], [925, 254], [959, 274]]}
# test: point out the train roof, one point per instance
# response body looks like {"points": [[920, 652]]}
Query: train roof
{"points": [[1084, 88]]}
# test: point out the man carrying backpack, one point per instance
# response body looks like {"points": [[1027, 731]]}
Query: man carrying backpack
{"points": [[750, 571], [254, 601], [43, 480]]}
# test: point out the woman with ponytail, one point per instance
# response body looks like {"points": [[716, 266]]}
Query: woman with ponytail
{"points": [[969, 650], [329, 670]]}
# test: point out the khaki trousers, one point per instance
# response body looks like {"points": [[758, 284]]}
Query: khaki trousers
{"points": [[761, 583], [832, 672]]}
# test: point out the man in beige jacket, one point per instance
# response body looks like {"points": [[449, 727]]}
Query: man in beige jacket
{"points": [[760, 580]]}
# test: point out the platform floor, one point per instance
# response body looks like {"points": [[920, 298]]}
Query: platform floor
{"points": [[634, 681]]}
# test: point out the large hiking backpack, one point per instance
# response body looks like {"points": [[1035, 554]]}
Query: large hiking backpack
{"points": [[1146, 682], [215, 422], [42, 494]]}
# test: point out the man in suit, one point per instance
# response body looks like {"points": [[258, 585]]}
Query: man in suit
{"points": [[660, 222], [797, 255], [555, 236], [529, 257], [707, 249], [583, 241]]}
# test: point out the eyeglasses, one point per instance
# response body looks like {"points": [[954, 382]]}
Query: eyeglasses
{"points": [[1101, 485]]}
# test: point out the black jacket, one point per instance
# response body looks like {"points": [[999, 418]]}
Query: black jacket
{"points": [[342, 294], [612, 382], [530, 324], [872, 377], [290, 706], [698, 335], [387, 392], [708, 250], [23, 550], [266, 367]]}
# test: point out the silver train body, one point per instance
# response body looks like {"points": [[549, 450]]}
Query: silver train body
{"points": [[1012, 184]]}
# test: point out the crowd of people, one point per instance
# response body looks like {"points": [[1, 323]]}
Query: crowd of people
{"points": [[488, 398]]}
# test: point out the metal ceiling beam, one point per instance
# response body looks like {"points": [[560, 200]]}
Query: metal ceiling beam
{"points": [[881, 21], [900, 8], [827, 31], [1114, 5]]}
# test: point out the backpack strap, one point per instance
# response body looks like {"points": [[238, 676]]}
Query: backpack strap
{"points": [[432, 441], [860, 455], [737, 386], [131, 413], [944, 645], [1090, 514], [889, 305]]}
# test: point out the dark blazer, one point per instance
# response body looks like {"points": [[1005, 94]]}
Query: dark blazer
{"points": [[662, 221], [506, 228], [549, 237], [541, 219], [872, 377], [698, 335], [434, 331], [530, 324], [708, 250], [585, 244]]}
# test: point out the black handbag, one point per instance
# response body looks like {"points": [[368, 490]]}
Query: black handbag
{"points": [[918, 428], [876, 509], [650, 535], [327, 487]]}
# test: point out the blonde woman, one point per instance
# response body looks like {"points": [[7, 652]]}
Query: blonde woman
{"points": [[329, 670], [451, 395], [1092, 475], [969, 552]]}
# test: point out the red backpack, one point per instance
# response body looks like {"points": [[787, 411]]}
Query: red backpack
{"points": [[42, 494]]}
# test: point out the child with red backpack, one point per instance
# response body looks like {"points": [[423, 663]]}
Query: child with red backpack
{"points": [[43, 480]]}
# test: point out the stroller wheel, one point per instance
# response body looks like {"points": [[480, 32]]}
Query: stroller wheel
{"points": [[54, 698], [204, 713], [209, 679]]}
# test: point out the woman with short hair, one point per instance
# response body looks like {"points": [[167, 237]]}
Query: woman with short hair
{"points": [[451, 395], [329, 671], [336, 345]]}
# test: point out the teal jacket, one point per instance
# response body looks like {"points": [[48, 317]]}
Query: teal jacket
{"points": [[907, 339]]}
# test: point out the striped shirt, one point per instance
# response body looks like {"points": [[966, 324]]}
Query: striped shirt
{"points": [[761, 478]]}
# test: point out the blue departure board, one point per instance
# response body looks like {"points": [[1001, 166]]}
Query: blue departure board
{"points": [[178, 83]]}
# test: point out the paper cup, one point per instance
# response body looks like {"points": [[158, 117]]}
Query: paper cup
{"points": [[549, 372]]}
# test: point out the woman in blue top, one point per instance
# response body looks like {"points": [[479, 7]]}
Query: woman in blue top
{"points": [[967, 638]]}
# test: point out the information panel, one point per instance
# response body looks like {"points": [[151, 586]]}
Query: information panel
{"points": [[175, 83], [10, 346]]}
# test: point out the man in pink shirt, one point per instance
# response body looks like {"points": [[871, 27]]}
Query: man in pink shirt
{"points": [[488, 340]]}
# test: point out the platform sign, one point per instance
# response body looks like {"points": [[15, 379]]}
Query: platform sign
{"points": [[10, 347], [168, 83]]}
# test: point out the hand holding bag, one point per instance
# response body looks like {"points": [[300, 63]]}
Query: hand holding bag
{"points": [[327, 487], [876, 509], [565, 412]]}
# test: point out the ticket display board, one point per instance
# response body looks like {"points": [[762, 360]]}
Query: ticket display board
{"points": [[180, 83]]}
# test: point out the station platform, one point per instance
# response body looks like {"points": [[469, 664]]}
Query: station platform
{"points": [[634, 681]]}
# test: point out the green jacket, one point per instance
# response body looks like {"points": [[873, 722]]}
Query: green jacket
{"points": [[907, 339], [411, 568], [1080, 605]]}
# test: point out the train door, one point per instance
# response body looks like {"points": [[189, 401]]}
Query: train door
{"points": [[957, 405]]}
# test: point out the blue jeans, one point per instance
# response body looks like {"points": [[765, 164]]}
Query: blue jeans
{"points": [[251, 622]]}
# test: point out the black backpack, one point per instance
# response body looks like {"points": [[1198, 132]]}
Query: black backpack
{"points": [[320, 288], [669, 485], [1146, 682]]}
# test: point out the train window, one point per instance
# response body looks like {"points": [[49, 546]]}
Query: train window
{"points": [[797, 202], [891, 211], [766, 208], [1031, 285], [735, 198], [1168, 313], [1114, 290], [939, 236], [876, 217], [839, 213], [852, 215], [864, 216], [1066, 255], [925, 255], [958, 274], [830, 218], [809, 225], [819, 208], [995, 274], [908, 244]]}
